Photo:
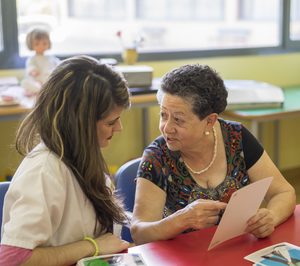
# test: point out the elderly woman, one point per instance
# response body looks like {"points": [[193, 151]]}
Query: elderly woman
{"points": [[188, 174]]}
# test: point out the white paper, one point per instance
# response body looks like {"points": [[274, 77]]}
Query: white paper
{"points": [[242, 205], [8, 81], [251, 91]]}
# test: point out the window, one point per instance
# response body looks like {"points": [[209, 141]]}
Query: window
{"points": [[97, 9], [256, 10], [1, 31], [180, 10], [9, 56], [170, 28], [90, 26], [295, 20]]}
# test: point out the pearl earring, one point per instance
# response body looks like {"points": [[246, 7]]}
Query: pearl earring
{"points": [[207, 133]]}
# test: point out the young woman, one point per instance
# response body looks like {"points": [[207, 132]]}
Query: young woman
{"points": [[59, 207]]}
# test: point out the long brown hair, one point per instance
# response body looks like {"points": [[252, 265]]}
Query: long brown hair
{"points": [[78, 93]]}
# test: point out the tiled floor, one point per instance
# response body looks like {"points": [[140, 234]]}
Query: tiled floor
{"points": [[293, 176]]}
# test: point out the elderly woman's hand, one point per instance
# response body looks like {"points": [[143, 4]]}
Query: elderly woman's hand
{"points": [[201, 213], [262, 224]]}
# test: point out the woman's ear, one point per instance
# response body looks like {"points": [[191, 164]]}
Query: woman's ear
{"points": [[211, 119]]}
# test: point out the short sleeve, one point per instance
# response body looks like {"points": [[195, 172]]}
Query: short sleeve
{"points": [[253, 150], [151, 167], [34, 205]]}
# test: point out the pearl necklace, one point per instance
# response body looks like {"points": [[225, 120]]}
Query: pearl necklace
{"points": [[212, 160]]}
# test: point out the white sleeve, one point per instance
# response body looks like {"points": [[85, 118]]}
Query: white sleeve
{"points": [[34, 205]]}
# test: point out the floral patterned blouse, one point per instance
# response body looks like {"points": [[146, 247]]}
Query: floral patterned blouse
{"points": [[166, 169]]}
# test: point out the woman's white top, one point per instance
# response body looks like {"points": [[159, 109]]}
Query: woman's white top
{"points": [[45, 205]]}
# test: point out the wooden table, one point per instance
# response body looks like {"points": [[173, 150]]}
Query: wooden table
{"points": [[18, 111], [138, 99], [143, 98], [13, 112]]}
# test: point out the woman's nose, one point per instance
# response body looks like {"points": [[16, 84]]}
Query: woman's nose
{"points": [[118, 126], [168, 126]]}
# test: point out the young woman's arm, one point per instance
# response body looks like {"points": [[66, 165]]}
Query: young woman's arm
{"points": [[62, 255]]}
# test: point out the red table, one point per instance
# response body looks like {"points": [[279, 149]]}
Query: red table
{"points": [[191, 248]]}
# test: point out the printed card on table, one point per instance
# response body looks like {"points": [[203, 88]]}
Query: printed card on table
{"points": [[123, 259], [280, 254]]}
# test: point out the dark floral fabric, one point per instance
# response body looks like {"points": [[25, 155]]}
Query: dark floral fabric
{"points": [[166, 169]]}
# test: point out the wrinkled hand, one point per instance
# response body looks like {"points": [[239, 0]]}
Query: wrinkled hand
{"points": [[109, 244], [202, 213], [262, 224]]}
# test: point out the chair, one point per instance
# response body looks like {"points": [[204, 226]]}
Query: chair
{"points": [[3, 189], [125, 189]]}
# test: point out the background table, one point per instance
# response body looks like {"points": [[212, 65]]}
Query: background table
{"points": [[191, 248], [290, 108], [140, 98], [145, 97]]}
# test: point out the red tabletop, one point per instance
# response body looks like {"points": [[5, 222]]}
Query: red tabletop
{"points": [[191, 248]]}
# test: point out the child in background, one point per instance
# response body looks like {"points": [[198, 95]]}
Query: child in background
{"points": [[39, 66]]}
